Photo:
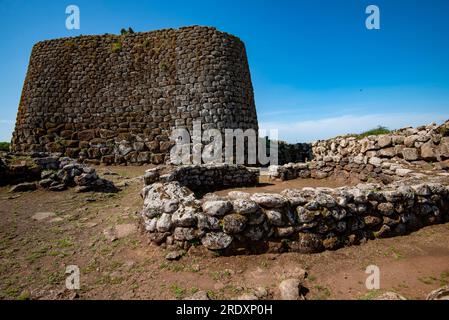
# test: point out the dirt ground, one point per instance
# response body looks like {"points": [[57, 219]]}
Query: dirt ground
{"points": [[70, 230]]}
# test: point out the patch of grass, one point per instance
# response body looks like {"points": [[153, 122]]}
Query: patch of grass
{"points": [[396, 254], [428, 280], [212, 294], [444, 131], [373, 132], [64, 243], [55, 278], [37, 254], [220, 275], [163, 67], [311, 277], [177, 291], [370, 295], [25, 295], [323, 293], [146, 43], [175, 267], [444, 278], [116, 46], [194, 290], [4, 146]]}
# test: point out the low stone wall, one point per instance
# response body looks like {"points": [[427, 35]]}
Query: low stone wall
{"points": [[425, 143], [308, 220], [297, 152], [382, 158], [205, 177]]}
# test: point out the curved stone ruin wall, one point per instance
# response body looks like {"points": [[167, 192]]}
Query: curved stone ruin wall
{"points": [[307, 220], [115, 99], [203, 178], [401, 194]]}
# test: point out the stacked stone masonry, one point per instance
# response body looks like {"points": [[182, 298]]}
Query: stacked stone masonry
{"points": [[307, 220], [383, 158], [206, 177], [115, 99]]}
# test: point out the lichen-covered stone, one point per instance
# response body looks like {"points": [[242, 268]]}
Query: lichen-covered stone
{"points": [[216, 240]]}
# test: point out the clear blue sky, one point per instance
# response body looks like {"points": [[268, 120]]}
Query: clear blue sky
{"points": [[316, 70]]}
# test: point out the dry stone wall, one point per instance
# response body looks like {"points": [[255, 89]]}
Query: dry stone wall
{"points": [[383, 158], [307, 220], [204, 178], [115, 99]]}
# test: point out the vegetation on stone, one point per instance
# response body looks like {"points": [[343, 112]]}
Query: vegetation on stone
{"points": [[4, 146]]}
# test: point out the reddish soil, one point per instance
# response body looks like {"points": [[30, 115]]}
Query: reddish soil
{"points": [[34, 254]]}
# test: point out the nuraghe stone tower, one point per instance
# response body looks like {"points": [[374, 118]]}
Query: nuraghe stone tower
{"points": [[115, 99]]}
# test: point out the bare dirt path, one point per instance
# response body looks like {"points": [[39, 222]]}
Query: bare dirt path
{"points": [[35, 250]]}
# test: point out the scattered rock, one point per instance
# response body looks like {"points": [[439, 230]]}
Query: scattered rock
{"points": [[290, 289], [439, 294], [23, 187], [247, 296], [390, 296], [119, 231], [175, 255], [200, 295], [39, 216]]}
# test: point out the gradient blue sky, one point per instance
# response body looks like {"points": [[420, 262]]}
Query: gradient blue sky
{"points": [[316, 70]]}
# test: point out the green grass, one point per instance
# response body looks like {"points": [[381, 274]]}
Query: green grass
{"points": [[323, 293], [370, 295], [177, 291], [444, 131], [4, 146], [374, 132], [116, 46]]}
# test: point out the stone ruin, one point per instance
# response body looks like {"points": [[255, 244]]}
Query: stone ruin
{"points": [[115, 99], [398, 194]]}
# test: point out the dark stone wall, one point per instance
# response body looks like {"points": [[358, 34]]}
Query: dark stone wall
{"points": [[115, 99]]}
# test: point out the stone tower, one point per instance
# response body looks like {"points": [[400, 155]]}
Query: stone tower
{"points": [[116, 98]]}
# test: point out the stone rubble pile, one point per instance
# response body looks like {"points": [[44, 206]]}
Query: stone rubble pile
{"points": [[74, 174], [54, 173], [308, 220]]}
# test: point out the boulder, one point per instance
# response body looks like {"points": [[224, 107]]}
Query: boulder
{"points": [[216, 240], [410, 154], [217, 207], [23, 187], [164, 223], [384, 141], [429, 151], [439, 294], [244, 206], [290, 289], [234, 223], [269, 200]]}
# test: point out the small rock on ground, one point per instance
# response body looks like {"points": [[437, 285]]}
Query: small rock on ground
{"points": [[247, 296], [390, 296], [439, 294], [200, 295], [39, 216], [175, 255], [119, 231], [290, 289], [22, 187]]}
